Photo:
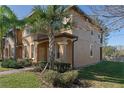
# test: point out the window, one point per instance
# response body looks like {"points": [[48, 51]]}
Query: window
{"points": [[12, 52], [25, 51], [58, 51], [91, 32], [91, 50], [26, 32], [32, 51], [99, 36]]}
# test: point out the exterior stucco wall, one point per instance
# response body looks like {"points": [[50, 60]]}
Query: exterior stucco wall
{"points": [[27, 41], [9, 44], [82, 29]]}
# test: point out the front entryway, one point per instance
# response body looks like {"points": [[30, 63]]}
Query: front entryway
{"points": [[42, 52]]}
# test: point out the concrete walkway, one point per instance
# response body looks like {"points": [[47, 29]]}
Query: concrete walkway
{"points": [[16, 71]]}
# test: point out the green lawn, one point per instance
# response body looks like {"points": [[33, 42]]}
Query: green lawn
{"points": [[104, 74], [20, 80], [5, 69]]}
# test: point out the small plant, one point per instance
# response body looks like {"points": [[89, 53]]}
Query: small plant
{"points": [[50, 76], [40, 66], [66, 79]]}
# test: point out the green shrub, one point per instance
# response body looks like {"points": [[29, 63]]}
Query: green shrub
{"points": [[13, 64], [66, 79], [10, 63], [58, 66], [5, 64], [40, 66], [50, 76], [62, 67], [25, 62]]}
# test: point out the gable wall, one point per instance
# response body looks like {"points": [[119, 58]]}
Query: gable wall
{"points": [[82, 29]]}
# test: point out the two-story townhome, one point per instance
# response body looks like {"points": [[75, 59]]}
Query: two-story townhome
{"points": [[79, 46]]}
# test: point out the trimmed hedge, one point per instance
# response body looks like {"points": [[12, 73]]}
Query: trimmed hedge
{"points": [[56, 79], [40, 66], [50, 76], [58, 66], [62, 67], [25, 62], [10, 63], [66, 79]]}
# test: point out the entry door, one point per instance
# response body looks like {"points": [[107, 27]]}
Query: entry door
{"points": [[42, 54], [20, 52]]}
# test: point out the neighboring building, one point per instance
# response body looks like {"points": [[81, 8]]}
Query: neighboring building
{"points": [[80, 46]]}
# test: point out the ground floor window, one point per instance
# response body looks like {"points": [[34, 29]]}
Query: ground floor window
{"points": [[91, 50], [25, 52], [12, 52], [58, 51], [32, 51]]}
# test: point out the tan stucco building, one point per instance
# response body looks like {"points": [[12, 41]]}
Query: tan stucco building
{"points": [[79, 46]]}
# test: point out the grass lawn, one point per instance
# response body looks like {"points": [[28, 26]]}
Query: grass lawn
{"points": [[4, 69], [20, 80], [104, 74]]}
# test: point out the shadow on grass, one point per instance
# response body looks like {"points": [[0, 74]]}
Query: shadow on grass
{"points": [[104, 71]]}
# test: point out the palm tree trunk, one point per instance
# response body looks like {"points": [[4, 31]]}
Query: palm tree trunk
{"points": [[51, 49]]}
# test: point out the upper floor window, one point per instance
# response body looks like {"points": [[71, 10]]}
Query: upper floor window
{"points": [[27, 30]]}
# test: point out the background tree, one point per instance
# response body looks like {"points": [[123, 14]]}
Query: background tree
{"points": [[113, 16], [10, 21], [109, 51], [4, 25], [49, 20]]}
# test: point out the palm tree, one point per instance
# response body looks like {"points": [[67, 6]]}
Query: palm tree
{"points": [[48, 20], [12, 22], [4, 25]]}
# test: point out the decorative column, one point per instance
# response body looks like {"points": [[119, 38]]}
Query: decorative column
{"points": [[62, 50], [35, 53]]}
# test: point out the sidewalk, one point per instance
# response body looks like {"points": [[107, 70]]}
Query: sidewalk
{"points": [[15, 71]]}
